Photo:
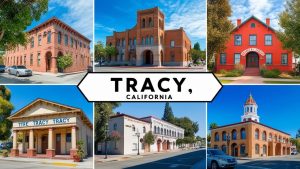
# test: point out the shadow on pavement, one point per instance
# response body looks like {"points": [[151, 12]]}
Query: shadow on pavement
{"points": [[15, 80], [184, 161], [270, 164]]}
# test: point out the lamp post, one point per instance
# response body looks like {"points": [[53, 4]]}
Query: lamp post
{"points": [[228, 142], [106, 137], [138, 136]]}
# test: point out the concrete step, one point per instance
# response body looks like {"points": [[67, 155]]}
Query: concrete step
{"points": [[251, 72]]}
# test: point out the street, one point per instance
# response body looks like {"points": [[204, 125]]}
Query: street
{"points": [[286, 162], [26, 165], [189, 159], [42, 78], [149, 69]]}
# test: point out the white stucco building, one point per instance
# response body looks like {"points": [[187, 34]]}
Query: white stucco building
{"points": [[127, 127]]}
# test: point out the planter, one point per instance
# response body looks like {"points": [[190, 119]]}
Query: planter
{"points": [[77, 158]]}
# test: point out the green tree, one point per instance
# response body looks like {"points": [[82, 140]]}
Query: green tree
{"points": [[149, 139], [190, 127], [208, 139], [298, 134], [197, 46], [103, 110], [64, 62], [110, 51], [15, 17], [100, 52], [168, 114], [6, 108], [219, 27], [213, 126]]}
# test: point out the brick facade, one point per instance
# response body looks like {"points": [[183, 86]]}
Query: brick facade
{"points": [[148, 43], [48, 41]]}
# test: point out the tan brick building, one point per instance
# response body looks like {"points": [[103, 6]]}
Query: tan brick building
{"points": [[250, 138], [47, 42], [148, 43]]}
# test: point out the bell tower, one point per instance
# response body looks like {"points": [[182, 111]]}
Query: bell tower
{"points": [[250, 110]]}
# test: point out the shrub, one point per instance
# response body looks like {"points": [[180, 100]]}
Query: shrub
{"points": [[5, 153], [80, 151], [64, 62], [234, 73], [274, 73]]}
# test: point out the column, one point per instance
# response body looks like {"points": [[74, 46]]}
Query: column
{"points": [[50, 151], [15, 150], [31, 152], [63, 142], [73, 142]]}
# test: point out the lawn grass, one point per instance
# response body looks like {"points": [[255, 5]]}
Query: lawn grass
{"points": [[226, 81], [281, 82]]}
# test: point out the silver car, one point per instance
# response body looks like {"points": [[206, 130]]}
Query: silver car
{"points": [[19, 71], [218, 159]]}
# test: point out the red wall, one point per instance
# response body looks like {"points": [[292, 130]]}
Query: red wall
{"points": [[260, 30]]}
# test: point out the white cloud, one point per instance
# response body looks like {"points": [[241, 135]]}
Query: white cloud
{"points": [[100, 27], [79, 15]]}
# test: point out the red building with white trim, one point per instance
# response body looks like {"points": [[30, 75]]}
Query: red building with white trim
{"points": [[254, 44]]}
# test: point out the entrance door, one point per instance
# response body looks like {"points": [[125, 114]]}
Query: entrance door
{"points": [[57, 143], [252, 60], [44, 144], [48, 65], [148, 57]]}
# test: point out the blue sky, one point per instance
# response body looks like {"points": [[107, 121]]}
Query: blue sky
{"points": [[278, 106], [260, 8], [195, 111], [78, 14], [121, 15], [21, 95]]}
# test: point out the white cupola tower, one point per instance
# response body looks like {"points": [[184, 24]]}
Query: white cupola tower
{"points": [[250, 110]]}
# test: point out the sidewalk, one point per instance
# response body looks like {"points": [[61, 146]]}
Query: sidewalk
{"points": [[87, 163], [57, 74]]}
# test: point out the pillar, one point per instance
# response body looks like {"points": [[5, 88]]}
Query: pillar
{"points": [[31, 152], [73, 142], [14, 150], [63, 142], [53, 64], [50, 151]]}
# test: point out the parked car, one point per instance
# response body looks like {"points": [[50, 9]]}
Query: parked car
{"points": [[218, 159], [20, 71], [294, 152], [7, 68], [2, 68]]}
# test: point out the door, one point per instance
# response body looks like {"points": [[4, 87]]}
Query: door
{"points": [[57, 143], [252, 60], [48, 65], [44, 144]]}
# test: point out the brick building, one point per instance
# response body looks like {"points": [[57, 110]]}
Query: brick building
{"points": [[250, 138], [254, 44], [47, 42], [148, 43]]}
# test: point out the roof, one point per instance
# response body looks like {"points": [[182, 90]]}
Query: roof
{"points": [[56, 20], [251, 121], [161, 120], [126, 115], [255, 18], [250, 100]]}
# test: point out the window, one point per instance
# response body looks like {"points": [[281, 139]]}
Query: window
{"points": [[134, 147], [224, 137], [144, 129], [59, 38], [243, 134], [150, 22], [253, 25], [264, 149], [256, 134], [268, 40], [264, 136], [217, 138], [147, 40], [143, 41], [115, 126], [151, 40], [49, 37], [143, 23], [237, 40], [224, 148], [66, 40], [237, 58], [172, 57], [133, 128], [268, 58], [256, 149], [39, 40], [234, 135], [72, 42], [172, 44], [31, 59], [223, 58], [134, 41], [39, 59], [242, 149], [270, 137], [32, 42], [284, 59], [68, 137], [252, 40]]}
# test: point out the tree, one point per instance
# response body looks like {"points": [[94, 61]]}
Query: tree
{"points": [[298, 134], [149, 138], [219, 27], [168, 114], [190, 127], [6, 108], [15, 17], [64, 61], [103, 110], [100, 52], [213, 126], [110, 51]]}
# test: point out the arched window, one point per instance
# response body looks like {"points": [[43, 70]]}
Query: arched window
{"points": [[143, 41], [115, 126], [224, 148], [264, 136], [59, 38], [143, 23], [257, 134], [161, 131], [224, 136], [49, 37], [217, 138], [133, 128], [242, 149], [264, 149], [158, 130], [234, 134], [270, 137], [151, 40], [256, 149], [150, 22], [243, 134]]}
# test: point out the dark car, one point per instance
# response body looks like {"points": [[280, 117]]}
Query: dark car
{"points": [[2, 68]]}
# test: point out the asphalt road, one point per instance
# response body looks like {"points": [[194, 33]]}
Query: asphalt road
{"points": [[42, 78], [148, 69], [4, 164], [176, 160]]}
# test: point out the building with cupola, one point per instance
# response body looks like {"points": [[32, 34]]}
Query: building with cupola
{"points": [[250, 138]]}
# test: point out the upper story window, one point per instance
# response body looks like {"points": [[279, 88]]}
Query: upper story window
{"points": [[150, 22], [151, 40], [143, 41], [256, 134], [217, 138], [268, 40], [39, 40], [172, 44], [123, 42], [144, 129], [284, 59], [134, 41], [243, 134], [49, 37], [253, 25], [133, 128], [66, 39], [224, 136], [143, 23], [38, 59], [32, 42], [223, 58], [252, 40], [115, 126], [72, 42], [147, 40], [59, 38], [237, 40]]}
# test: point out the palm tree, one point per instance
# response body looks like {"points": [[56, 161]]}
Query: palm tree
{"points": [[213, 126]]}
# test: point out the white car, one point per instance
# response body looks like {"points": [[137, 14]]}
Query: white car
{"points": [[19, 71], [294, 152]]}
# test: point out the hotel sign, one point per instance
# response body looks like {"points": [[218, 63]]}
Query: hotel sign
{"points": [[44, 122], [253, 50]]}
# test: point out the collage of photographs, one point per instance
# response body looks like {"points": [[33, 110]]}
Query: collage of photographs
{"points": [[48, 46]]}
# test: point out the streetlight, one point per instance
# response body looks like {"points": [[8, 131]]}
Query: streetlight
{"points": [[106, 135], [138, 136], [228, 142]]}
